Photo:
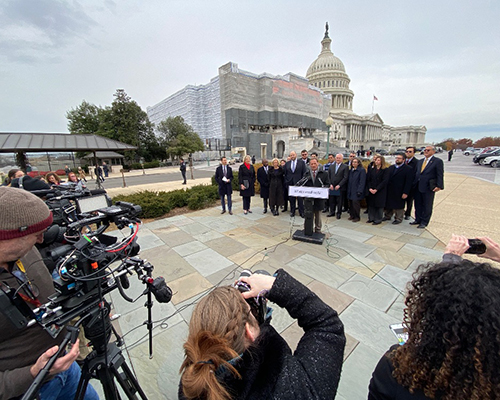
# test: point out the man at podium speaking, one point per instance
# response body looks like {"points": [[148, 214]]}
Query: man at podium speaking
{"points": [[316, 178]]}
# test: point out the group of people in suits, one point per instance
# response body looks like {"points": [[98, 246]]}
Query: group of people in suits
{"points": [[389, 190]]}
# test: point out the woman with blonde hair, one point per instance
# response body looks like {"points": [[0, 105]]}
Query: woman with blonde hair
{"points": [[233, 352], [377, 178]]}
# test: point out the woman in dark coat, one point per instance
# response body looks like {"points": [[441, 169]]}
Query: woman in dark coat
{"points": [[285, 187], [356, 189], [377, 178], [276, 177], [229, 350], [246, 180]]}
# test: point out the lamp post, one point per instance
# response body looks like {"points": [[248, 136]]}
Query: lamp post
{"points": [[329, 123]]}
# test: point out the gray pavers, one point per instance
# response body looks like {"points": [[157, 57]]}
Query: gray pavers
{"points": [[356, 373], [394, 276], [148, 240], [351, 246], [421, 252], [208, 261], [370, 292], [369, 325], [327, 273], [189, 248]]}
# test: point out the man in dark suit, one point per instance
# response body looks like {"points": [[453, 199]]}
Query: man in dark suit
{"points": [[263, 178], [316, 178], [338, 174], [294, 172], [398, 188], [223, 177], [428, 181], [411, 161]]}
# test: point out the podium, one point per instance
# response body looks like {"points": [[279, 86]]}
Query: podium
{"points": [[309, 193]]}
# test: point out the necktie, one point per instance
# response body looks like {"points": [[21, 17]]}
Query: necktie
{"points": [[314, 176], [293, 166], [224, 170], [337, 168], [424, 164], [406, 162]]}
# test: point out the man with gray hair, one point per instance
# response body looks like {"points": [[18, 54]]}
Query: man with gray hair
{"points": [[429, 179]]}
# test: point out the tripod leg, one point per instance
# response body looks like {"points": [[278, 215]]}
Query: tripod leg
{"points": [[127, 381], [82, 384], [108, 385]]}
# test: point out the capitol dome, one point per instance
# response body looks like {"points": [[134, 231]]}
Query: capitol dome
{"points": [[327, 72]]}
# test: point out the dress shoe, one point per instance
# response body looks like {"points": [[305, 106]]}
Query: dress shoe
{"points": [[407, 217], [350, 218], [355, 220], [325, 211], [369, 221], [277, 213], [292, 215], [285, 209], [249, 211], [302, 216], [331, 215], [345, 210], [395, 222], [317, 231], [421, 226], [414, 223], [339, 216], [377, 222], [223, 211], [386, 219], [366, 212], [230, 213], [265, 210]]}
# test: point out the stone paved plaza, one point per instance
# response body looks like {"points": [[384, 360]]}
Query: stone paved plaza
{"points": [[361, 271]]}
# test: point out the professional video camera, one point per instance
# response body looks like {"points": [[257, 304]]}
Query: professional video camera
{"points": [[89, 266]]}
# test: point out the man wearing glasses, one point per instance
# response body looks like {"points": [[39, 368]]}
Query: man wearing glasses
{"points": [[24, 352], [411, 161], [428, 181]]}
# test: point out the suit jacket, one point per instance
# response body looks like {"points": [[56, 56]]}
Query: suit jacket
{"points": [[225, 188], [377, 179], [291, 178], [356, 184], [263, 178], [339, 178], [320, 181], [431, 177], [400, 182]]}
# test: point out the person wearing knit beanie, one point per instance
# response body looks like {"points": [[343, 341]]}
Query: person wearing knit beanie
{"points": [[22, 213]]}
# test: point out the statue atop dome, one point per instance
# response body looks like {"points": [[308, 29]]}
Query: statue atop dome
{"points": [[326, 30]]}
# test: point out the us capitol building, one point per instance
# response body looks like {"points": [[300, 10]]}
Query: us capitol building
{"points": [[267, 115]]}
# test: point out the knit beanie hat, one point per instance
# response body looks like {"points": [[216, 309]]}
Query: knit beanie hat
{"points": [[21, 213]]}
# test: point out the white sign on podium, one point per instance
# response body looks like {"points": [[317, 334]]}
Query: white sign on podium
{"points": [[308, 191]]}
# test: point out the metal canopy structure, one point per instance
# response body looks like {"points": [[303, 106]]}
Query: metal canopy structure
{"points": [[52, 142]]}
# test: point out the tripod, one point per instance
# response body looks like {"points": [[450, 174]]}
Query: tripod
{"points": [[106, 360]]}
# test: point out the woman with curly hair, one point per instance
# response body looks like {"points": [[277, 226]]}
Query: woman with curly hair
{"points": [[232, 354], [453, 320]]}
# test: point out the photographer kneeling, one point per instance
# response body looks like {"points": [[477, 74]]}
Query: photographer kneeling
{"points": [[228, 355], [24, 352], [453, 317]]}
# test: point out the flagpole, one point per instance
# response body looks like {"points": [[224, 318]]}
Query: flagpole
{"points": [[373, 103]]}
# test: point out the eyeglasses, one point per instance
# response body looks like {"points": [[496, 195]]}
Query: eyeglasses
{"points": [[409, 151], [427, 149]]}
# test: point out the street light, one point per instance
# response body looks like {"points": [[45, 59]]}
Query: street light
{"points": [[329, 123]]}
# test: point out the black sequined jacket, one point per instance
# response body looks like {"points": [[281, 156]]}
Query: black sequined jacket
{"points": [[269, 370]]}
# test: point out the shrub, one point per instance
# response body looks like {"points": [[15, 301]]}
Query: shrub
{"points": [[157, 204], [150, 164]]}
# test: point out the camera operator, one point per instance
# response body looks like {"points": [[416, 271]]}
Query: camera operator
{"points": [[452, 316], [24, 352], [228, 355]]}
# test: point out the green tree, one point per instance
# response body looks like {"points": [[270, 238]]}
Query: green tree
{"points": [[178, 137], [84, 119]]}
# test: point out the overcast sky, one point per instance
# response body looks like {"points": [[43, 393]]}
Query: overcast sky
{"points": [[431, 62]]}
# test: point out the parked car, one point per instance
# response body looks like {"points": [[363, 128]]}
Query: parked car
{"points": [[236, 158], [382, 152], [470, 151], [493, 161], [479, 158]]}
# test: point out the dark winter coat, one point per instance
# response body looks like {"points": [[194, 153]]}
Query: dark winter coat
{"points": [[225, 188], [263, 178], [245, 174], [400, 182], [270, 370], [356, 183], [276, 179], [377, 178], [291, 178], [383, 386], [183, 167], [321, 180]]}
